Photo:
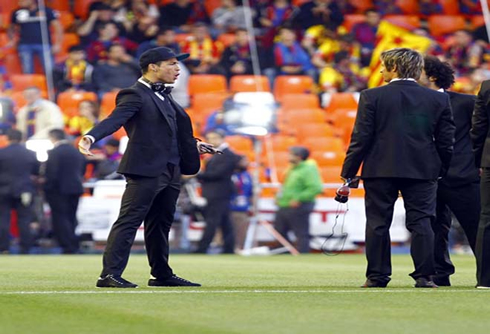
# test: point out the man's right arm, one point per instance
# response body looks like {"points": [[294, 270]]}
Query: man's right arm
{"points": [[480, 125], [444, 136]]}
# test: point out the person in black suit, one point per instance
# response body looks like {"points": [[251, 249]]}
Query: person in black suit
{"points": [[459, 191], [63, 187], [403, 135], [480, 134], [218, 189], [161, 147], [18, 168]]}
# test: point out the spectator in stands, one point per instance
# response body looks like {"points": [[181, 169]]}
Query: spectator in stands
{"points": [[5, 83], [182, 14], [27, 22], [430, 7], [229, 16], [289, 57], [38, 116], [464, 55], [387, 7], [236, 59], [141, 22], [115, 5], [63, 187], [272, 16], [75, 72], [119, 71], [108, 35], [18, 168], [164, 37], [108, 161], [88, 116], [100, 13], [296, 199], [126, 11], [471, 7], [217, 189], [204, 52], [7, 116], [319, 12], [344, 76], [241, 202], [365, 34]]}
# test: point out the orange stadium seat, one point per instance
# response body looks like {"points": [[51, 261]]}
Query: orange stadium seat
{"points": [[361, 5], [182, 37], [69, 39], [119, 133], [477, 21], [408, 6], [66, 19], [206, 101], [350, 20], [4, 39], [4, 20], [12, 64], [8, 6], [328, 158], [296, 117], [406, 21], [324, 143], [68, 101], [341, 101], [440, 25], [108, 103], [211, 5], [23, 81], [80, 8], [331, 174], [300, 101], [305, 130], [240, 144], [60, 5], [207, 83], [249, 83], [450, 7], [292, 84], [279, 143], [344, 120], [227, 39]]}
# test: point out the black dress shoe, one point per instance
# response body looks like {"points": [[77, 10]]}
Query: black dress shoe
{"points": [[422, 282], [171, 281], [111, 281], [374, 284], [441, 281]]}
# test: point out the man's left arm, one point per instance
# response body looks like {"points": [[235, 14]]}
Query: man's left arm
{"points": [[361, 138], [444, 136]]}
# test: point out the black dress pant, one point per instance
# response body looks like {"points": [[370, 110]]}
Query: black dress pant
{"points": [[25, 215], [483, 237], [217, 214], [464, 202], [148, 199], [64, 220], [419, 197], [298, 221]]}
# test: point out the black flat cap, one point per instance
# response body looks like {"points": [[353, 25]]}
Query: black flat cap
{"points": [[156, 55], [300, 151]]}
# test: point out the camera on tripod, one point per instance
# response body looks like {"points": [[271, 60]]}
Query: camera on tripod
{"points": [[343, 192]]}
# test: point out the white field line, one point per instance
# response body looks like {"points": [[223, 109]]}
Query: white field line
{"points": [[137, 291]]}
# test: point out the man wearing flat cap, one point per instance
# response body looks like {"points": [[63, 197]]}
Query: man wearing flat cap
{"points": [[296, 199], [161, 147]]}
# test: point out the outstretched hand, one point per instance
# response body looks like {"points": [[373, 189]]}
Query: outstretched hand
{"points": [[84, 146]]}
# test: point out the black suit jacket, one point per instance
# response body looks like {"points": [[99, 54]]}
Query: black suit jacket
{"points": [[480, 133], [462, 169], [64, 170], [142, 115], [17, 166], [216, 178], [402, 130]]}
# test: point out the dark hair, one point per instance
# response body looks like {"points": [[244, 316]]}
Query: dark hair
{"points": [[164, 29], [300, 151], [440, 70], [113, 45], [14, 135], [76, 48], [58, 134], [371, 10]]}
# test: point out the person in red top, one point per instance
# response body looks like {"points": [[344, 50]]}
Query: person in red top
{"points": [[204, 52], [108, 35]]}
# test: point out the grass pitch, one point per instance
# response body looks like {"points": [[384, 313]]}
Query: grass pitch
{"points": [[278, 294]]}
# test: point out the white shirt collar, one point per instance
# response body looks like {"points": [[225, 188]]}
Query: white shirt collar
{"points": [[441, 90], [140, 80], [403, 79]]}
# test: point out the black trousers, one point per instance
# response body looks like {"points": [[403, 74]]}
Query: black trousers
{"points": [[483, 237], [217, 214], [64, 220], [298, 221], [419, 197], [25, 215], [148, 199], [464, 202]]}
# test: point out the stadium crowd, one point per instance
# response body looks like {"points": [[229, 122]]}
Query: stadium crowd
{"points": [[325, 45]]}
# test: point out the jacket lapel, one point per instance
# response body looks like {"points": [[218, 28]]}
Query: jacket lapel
{"points": [[158, 103]]}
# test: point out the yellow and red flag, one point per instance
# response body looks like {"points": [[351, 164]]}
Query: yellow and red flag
{"points": [[390, 36]]}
